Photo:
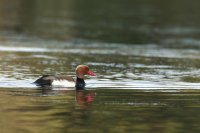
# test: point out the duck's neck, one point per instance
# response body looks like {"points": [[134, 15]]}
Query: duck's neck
{"points": [[80, 83]]}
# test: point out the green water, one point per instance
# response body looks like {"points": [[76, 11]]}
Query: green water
{"points": [[99, 111], [146, 55]]}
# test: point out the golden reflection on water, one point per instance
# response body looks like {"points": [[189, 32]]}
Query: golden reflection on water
{"points": [[32, 110], [41, 111]]}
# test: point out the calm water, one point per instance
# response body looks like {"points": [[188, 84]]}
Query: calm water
{"points": [[99, 111], [146, 56]]}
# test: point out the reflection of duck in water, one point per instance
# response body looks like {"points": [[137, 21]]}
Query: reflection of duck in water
{"points": [[66, 81], [84, 97]]}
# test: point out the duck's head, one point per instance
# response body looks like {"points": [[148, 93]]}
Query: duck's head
{"points": [[82, 70]]}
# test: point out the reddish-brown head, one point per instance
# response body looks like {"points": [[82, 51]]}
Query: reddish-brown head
{"points": [[82, 70]]}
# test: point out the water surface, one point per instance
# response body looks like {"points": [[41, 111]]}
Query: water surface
{"points": [[99, 111], [146, 56]]}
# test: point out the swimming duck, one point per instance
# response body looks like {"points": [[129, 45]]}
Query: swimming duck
{"points": [[66, 81]]}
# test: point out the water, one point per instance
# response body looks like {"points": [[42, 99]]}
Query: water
{"points": [[116, 65], [145, 54], [99, 111]]}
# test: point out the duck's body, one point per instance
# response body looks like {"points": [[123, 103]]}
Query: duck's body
{"points": [[55, 81], [64, 80]]}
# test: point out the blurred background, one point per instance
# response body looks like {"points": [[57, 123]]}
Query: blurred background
{"points": [[129, 22]]}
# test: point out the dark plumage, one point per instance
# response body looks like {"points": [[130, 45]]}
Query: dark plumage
{"points": [[80, 84]]}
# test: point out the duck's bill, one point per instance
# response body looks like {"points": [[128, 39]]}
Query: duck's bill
{"points": [[91, 73]]}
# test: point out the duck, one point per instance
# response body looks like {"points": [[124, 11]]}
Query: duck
{"points": [[65, 80]]}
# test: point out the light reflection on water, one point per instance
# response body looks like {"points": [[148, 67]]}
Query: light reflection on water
{"points": [[149, 50], [138, 67]]}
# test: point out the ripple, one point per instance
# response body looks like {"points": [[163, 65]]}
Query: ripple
{"points": [[140, 84], [116, 49], [108, 84], [22, 49], [119, 66], [14, 83]]}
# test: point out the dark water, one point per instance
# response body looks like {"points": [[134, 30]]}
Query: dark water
{"points": [[146, 55]]}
